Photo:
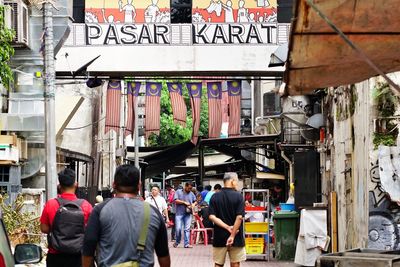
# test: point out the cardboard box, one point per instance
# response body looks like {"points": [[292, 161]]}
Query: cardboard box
{"points": [[8, 139], [22, 146]]}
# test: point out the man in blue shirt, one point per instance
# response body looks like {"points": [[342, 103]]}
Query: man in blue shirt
{"points": [[205, 192], [217, 188], [185, 200]]}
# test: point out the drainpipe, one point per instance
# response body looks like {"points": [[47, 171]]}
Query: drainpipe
{"points": [[291, 174]]}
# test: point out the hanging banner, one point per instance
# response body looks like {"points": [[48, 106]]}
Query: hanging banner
{"points": [[152, 110], [195, 101], [234, 96], [113, 106], [214, 90], [132, 92], [178, 103]]}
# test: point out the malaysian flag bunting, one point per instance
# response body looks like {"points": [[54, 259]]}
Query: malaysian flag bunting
{"points": [[234, 95], [113, 106], [214, 90], [152, 110], [195, 101], [133, 93], [178, 104]]}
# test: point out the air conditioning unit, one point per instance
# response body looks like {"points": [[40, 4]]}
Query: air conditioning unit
{"points": [[19, 22]]}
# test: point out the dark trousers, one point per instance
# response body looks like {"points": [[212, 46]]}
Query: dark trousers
{"points": [[63, 260], [172, 218]]}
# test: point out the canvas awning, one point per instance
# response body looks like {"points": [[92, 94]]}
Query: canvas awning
{"points": [[319, 57]]}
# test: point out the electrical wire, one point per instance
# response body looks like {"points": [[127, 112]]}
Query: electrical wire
{"points": [[81, 127]]}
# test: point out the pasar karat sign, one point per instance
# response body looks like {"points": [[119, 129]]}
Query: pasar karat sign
{"points": [[149, 22], [190, 34]]}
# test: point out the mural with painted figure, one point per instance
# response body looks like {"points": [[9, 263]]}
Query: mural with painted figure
{"points": [[384, 209], [127, 11], [230, 11]]}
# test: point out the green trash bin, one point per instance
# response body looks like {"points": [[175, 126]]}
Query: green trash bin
{"points": [[285, 228]]}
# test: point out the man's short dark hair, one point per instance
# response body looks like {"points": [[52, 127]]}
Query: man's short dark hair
{"points": [[200, 188], [155, 185], [126, 178], [217, 187], [208, 187], [66, 177], [189, 183]]}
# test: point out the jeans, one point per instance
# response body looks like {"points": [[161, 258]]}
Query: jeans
{"points": [[184, 220]]}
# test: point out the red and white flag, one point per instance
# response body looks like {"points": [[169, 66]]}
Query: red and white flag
{"points": [[195, 101], [234, 94], [214, 90], [152, 110], [133, 93], [178, 103], [113, 106]]}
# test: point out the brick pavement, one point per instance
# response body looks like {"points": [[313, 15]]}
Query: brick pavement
{"points": [[200, 256]]}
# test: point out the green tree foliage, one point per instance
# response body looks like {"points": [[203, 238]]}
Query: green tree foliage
{"points": [[171, 133], [6, 51], [21, 226]]}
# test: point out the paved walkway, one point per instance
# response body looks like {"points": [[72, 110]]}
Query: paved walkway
{"points": [[201, 256]]}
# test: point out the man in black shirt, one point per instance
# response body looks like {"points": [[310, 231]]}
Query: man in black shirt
{"points": [[227, 212]]}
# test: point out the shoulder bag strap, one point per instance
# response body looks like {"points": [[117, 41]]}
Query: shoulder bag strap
{"points": [[155, 202], [145, 227]]}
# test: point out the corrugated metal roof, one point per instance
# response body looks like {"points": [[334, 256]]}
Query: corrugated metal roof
{"points": [[319, 57]]}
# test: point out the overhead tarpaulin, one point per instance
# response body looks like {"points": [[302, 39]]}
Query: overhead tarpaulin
{"points": [[163, 160], [319, 57]]}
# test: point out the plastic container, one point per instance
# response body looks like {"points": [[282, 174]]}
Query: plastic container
{"points": [[254, 209], [254, 245], [256, 227], [287, 207], [285, 228]]}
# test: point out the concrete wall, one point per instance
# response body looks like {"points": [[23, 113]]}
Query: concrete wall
{"points": [[75, 137], [346, 167]]}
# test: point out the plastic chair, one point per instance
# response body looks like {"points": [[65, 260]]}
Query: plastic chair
{"points": [[198, 230]]}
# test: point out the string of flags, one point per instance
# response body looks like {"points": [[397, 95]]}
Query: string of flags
{"points": [[179, 109]]}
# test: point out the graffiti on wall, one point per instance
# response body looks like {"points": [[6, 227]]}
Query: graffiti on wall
{"points": [[384, 214]]}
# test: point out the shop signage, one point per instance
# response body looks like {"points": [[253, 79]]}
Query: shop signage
{"points": [[196, 34]]}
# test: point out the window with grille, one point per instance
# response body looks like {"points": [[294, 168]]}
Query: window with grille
{"points": [[4, 174], [272, 104]]}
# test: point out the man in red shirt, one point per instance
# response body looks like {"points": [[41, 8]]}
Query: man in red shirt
{"points": [[67, 188]]}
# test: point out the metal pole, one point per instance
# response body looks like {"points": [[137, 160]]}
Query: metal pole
{"points": [[136, 132], [163, 184], [49, 87], [199, 179]]}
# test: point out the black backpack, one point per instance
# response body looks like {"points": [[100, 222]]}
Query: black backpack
{"points": [[68, 227]]}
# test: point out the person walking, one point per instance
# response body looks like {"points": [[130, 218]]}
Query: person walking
{"points": [[185, 201], [158, 202], [217, 188], [171, 209], [63, 220], [125, 229], [204, 193], [226, 212]]}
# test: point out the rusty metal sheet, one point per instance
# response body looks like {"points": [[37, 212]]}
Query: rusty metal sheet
{"points": [[319, 58]]}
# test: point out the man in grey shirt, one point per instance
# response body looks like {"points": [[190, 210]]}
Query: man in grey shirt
{"points": [[115, 225]]}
